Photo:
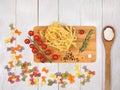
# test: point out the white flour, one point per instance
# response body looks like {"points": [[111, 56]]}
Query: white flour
{"points": [[108, 34]]}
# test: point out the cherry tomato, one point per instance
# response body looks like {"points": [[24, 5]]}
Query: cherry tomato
{"points": [[42, 59], [39, 42], [38, 55], [48, 52], [27, 41], [34, 50], [55, 56], [31, 33], [44, 46], [36, 37], [81, 32], [31, 45]]}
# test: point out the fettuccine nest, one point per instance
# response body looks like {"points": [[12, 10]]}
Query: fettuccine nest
{"points": [[60, 37]]}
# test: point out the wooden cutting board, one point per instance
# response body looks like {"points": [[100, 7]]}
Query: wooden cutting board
{"points": [[78, 56]]}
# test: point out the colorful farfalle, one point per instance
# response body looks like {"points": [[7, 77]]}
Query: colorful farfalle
{"points": [[18, 57], [50, 82], [7, 68], [65, 75], [71, 78], [78, 73], [24, 77], [76, 67], [9, 48], [42, 84], [10, 73], [36, 80], [85, 68], [11, 64], [45, 70], [58, 74], [18, 32], [7, 40], [12, 33], [53, 76], [60, 79], [43, 79], [18, 47], [21, 49], [12, 39], [17, 78], [64, 84], [11, 26]]}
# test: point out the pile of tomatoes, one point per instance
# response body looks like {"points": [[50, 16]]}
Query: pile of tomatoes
{"points": [[39, 48]]}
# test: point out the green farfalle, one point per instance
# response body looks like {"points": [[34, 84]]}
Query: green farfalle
{"points": [[65, 75], [83, 82], [64, 84], [50, 82], [19, 63], [24, 77], [11, 27], [31, 70]]}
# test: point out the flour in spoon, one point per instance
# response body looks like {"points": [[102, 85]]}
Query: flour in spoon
{"points": [[108, 34]]}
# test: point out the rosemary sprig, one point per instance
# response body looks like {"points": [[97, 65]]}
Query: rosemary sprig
{"points": [[85, 43]]}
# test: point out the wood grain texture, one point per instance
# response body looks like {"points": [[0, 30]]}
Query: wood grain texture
{"points": [[91, 14], [26, 18], [48, 13], [7, 16], [71, 12], [111, 17]]}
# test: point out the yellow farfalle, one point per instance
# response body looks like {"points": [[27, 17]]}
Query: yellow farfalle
{"points": [[78, 73], [7, 40], [36, 80], [53, 76], [76, 67]]}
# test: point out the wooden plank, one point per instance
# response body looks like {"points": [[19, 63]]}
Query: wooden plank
{"points": [[81, 56], [26, 15], [48, 13], [91, 14], [7, 16], [69, 14], [111, 16]]}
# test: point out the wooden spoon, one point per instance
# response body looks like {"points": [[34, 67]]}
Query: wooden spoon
{"points": [[108, 45]]}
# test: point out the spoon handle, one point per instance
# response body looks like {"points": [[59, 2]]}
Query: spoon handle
{"points": [[108, 70]]}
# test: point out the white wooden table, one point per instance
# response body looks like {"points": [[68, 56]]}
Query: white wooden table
{"points": [[28, 13]]}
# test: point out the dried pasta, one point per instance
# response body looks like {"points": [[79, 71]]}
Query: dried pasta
{"points": [[60, 37]]}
